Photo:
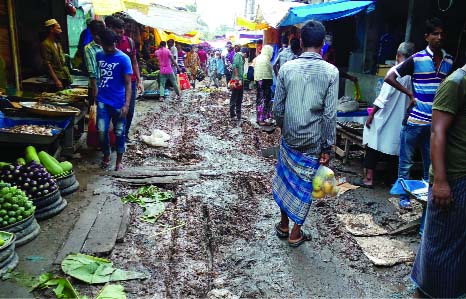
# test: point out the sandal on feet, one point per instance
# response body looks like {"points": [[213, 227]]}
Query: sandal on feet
{"points": [[119, 167], [281, 234], [105, 163], [304, 237], [360, 183]]}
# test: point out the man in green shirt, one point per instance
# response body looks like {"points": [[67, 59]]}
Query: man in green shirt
{"points": [[440, 267], [236, 98], [53, 56]]}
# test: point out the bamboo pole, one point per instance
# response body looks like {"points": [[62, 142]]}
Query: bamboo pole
{"points": [[14, 43]]}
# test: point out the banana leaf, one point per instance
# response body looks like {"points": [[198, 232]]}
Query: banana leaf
{"points": [[112, 291], [94, 270], [62, 286]]}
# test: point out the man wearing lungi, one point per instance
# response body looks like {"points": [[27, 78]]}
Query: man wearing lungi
{"points": [[305, 109], [440, 267]]}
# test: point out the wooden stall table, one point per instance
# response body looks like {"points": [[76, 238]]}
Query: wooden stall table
{"points": [[348, 136]]}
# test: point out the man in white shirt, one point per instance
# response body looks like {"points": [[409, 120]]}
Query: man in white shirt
{"points": [[383, 125]]}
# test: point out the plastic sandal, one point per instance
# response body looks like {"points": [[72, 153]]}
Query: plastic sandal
{"points": [[281, 234]]}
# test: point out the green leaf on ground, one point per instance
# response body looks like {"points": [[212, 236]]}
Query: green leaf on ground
{"points": [[92, 270], [112, 291], [151, 199], [148, 194], [153, 211]]}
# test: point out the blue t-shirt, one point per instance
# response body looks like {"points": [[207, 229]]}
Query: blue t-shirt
{"points": [[113, 69]]}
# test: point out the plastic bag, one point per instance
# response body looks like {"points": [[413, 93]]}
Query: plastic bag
{"points": [[235, 84], [184, 81], [93, 133], [357, 92], [158, 138], [324, 183]]}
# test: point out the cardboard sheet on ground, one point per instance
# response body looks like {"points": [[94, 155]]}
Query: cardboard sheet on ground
{"points": [[92, 270], [384, 251], [361, 225], [346, 187]]}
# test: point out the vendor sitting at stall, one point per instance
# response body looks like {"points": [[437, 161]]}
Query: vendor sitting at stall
{"points": [[53, 56], [114, 95]]}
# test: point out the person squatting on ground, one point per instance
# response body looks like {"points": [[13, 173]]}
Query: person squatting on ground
{"points": [[236, 98], [263, 75], [127, 46], [383, 125], [305, 108], [427, 69], [114, 96], [166, 59], [439, 270]]}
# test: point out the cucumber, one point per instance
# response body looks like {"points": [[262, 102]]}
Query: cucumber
{"points": [[67, 166], [21, 161], [49, 163], [31, 154]]}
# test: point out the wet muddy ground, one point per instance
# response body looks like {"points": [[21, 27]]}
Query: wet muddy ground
{"points": [[225, 245]]}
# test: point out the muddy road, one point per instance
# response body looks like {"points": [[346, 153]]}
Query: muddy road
{"points": [[224, 245]]}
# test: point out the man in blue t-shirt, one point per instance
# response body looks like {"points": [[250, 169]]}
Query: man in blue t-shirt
{"points": [[113, 97]]}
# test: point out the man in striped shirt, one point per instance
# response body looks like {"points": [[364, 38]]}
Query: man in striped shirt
{"points": [[90, 51], [427, 68], [305, 109]]}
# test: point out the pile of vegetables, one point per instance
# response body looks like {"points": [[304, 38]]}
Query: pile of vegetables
{"points": [[14, 205], [57, 169], [32, 178]]}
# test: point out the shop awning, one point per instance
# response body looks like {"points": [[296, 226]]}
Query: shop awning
{"points": [[273, 11], [250, 25], [324, 11], [167, 19]]}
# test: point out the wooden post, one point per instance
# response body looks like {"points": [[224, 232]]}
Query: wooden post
{"points": [[14, 43], [409, 21]]}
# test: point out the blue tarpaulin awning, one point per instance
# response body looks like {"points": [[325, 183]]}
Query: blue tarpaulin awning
{"points": [[324, 11]]}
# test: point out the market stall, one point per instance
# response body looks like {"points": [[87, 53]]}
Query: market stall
{"points": [[52, 121]]}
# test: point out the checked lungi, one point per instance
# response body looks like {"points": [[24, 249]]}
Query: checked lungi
{"points": [[440, 267], [292, 183]]}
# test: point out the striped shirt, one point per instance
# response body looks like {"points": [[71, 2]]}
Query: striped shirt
{"points": [[305, 104], [426, 79], [90, 51]]}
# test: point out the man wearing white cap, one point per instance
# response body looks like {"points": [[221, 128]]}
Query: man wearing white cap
{"points": [[53, 56]]}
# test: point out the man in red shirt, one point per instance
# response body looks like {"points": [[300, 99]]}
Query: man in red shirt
{"points": [[203, 58], [127, 46]]}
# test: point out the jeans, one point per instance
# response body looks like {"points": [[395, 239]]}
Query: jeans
{"points": [[235, 103], [132, 105], [412, 137], [105, 114], [171, 77]]}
